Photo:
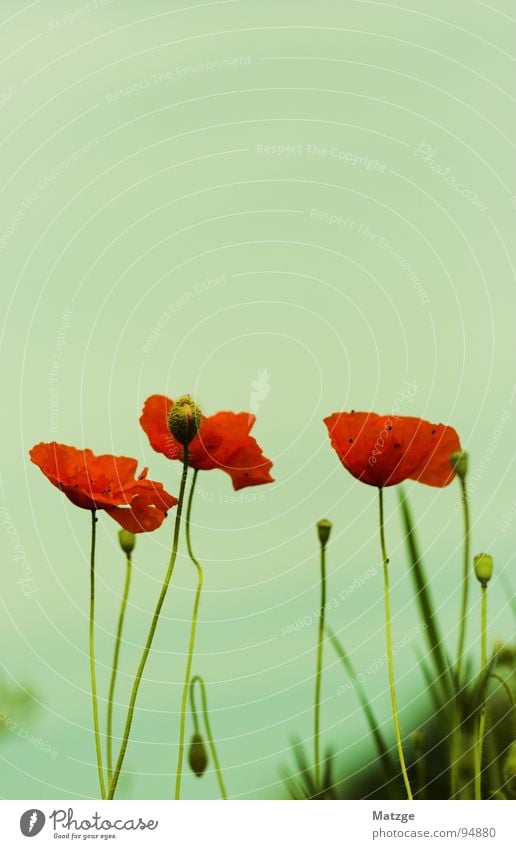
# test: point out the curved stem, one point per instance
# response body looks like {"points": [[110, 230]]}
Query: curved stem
{"points": [[482, 720], [318, 674], [114, 672], [152, 630], [506, 687], [191, 646], [457, 719], [197, 678], [93, 674], [389, 650], [465, 580]]}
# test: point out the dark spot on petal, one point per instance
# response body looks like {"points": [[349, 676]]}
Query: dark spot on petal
{"points": [[389, 427], [433, 432], [350, 439], [397, 445]]}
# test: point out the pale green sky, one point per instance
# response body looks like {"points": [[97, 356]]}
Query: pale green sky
{"points": [[191, 197]]}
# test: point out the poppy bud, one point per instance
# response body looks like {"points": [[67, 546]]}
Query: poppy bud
{"points": [[459, 461], [323, 530], [197, 755], [127, 541], [483, 567], [184, 419]]}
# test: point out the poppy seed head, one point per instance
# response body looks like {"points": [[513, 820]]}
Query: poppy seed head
{"points": [[184, 419]]}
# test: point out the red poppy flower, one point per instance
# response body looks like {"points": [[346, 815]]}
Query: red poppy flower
{"points": [[386, 450], [105, 483], [222, 442]]}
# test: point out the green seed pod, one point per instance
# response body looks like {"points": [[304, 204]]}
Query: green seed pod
{"points": [[460, 461], [184, 419], [483, 567], [197, 755], [323, 529], [127, 541]]}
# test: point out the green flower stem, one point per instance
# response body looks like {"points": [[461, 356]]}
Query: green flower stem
{"points": [[114, 672], [457, 719], [465, 580], [389, 649], [318, 674], [482, 720], [93, 674], [199, 680], [152, 630], [193, 629]]}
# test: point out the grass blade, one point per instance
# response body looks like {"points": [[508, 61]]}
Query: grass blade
{"points": [[383, 751], [423, 596]]}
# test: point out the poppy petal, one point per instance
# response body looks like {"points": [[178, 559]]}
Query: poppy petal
{"points": [[386, 450], [154, 421], [224, 442], [104, 482]]}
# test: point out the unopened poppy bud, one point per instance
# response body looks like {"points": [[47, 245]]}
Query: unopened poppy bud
{"points": [[483, 567], [184, 419], [324, 529], [127, 541], [197, 755], [459, 461]]}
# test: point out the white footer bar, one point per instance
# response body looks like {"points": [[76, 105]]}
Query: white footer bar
{"points": [[257, 825]]}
